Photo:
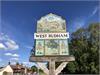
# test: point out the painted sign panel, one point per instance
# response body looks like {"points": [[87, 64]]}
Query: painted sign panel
{"points": [[63, 47], [51, 35], [51, 47], [51, 23], [39, 47]]}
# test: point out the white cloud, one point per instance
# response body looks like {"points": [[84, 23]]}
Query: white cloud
{"points": [[16, 59], [81, 21], [13, 62], [7, 43], [11, 54], [11, 45], [2, 46], [29, 63], [8, 54], [25, 63], [94, 11], [15, 55], [78, 23]]}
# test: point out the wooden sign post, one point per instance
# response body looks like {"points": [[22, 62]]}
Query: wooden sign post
{"points": [[52, 60], [51, 44]]}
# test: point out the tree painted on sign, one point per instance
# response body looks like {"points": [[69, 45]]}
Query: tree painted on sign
{"points": [[52, 44]]}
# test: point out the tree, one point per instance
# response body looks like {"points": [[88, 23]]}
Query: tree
{"points": [[34, 69], [84, 45]]}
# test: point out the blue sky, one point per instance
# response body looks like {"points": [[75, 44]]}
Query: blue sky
{"points": [[18, 23]]}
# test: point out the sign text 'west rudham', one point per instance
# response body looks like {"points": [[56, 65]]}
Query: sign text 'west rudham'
{"points": [[51, 35]]}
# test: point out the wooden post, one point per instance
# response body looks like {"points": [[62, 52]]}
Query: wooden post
{"points": [[60, 67], [52, 60], [43, 67], [52, 67]]}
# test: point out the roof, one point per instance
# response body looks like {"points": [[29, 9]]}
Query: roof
{"points": [[3, 68], [17, 66]]}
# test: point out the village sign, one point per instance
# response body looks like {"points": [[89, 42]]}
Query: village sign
{"points": [[51, 44]]}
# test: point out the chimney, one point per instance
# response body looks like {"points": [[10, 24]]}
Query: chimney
{"points": [[9, 63]]}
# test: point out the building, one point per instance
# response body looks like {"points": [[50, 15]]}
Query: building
{"points": [[6, 70], [17, 69]]}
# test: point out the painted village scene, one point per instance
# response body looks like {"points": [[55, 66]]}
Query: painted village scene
{"points": [[49, 37]]}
